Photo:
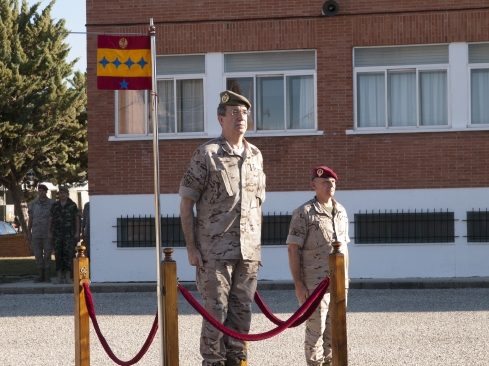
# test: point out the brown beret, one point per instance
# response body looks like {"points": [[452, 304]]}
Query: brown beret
{"points": [[42, 186], [63, 189], [323, 171], [230, 98]]}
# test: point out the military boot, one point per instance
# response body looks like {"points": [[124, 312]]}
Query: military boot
{"points": [[59, 279], [41, 276], [47, 274], [67, 278]]}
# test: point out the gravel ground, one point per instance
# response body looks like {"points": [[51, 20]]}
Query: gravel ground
{"points": [[385, 327]]}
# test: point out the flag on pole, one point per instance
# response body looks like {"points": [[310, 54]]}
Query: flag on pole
{"points": [[124, 62]]}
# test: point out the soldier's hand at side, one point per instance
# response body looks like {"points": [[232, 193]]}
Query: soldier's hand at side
{"points": [[194, 257], [301, 292]]}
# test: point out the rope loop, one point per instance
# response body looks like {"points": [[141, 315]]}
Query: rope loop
{"points": [[301, 315], [105, 345]]}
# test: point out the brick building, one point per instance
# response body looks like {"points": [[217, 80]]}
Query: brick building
{"points": [[393, 95]]}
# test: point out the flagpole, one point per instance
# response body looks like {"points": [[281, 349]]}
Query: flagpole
{"points": [[156, 161]]}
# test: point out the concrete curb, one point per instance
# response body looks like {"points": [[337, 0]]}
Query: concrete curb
{"points": [[23, 288]]}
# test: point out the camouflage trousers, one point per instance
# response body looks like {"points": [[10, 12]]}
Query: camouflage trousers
{"points": [[42, 248], [227, 288], [64, 250], [317, 344]]}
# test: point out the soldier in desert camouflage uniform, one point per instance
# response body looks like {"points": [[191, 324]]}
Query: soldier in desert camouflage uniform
{"points": [[65, 225], [225, 180], [314, 227], [37, 231]]}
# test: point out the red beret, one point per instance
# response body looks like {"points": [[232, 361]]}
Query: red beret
{"points": [[42, 186], [323, 172]]}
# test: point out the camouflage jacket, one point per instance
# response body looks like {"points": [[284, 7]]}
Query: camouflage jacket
{"points": [[229, 190], [313, 228], [40, 212], [64, 216]]}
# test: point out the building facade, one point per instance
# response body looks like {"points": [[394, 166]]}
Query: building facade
{"points": [[392, 95]]}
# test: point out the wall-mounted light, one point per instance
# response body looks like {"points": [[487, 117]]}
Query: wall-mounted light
{"points": [[330, 8]]}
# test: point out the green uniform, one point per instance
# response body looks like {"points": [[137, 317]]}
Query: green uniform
{"points": [[64, 228]]}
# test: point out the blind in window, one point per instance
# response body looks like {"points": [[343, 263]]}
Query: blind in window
{"points": [[270, 61], [404, 55], [478, 53], [177, 65]]}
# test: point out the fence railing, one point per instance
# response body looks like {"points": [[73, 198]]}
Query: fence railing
{"points": [[139, 231], [478, 226], [404, 227]]}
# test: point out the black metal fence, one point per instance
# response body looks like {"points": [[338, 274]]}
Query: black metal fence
{"points": [[137, 231], [404, 227], [478, 226]]}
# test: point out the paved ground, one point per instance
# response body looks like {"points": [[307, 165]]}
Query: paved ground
{"points": [[447, 326]]}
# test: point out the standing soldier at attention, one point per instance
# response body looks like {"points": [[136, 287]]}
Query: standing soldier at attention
{"points": [[37, 231], [225, 180], [64, 229], [314, 227]]}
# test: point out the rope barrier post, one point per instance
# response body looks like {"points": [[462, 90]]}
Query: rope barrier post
{"points": [[338, 306], [170, 308], [82, 320]]}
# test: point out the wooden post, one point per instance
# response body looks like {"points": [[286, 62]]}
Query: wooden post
{"points": [[82, 325], [338, 306], [170, 308]]}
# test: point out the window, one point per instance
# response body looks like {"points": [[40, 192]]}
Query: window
{"points": [[136, 232], [180, 88], [392, 228], [275, 229], [279, 85], [401, 87], [479, 83], [477, 226], [140, 232]]}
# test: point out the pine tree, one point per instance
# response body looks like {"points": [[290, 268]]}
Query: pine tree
{"points": [[42, 111]]}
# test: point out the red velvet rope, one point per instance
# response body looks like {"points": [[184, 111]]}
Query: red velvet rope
{"points": [[264, 309], [298, 316], [105, 345]]}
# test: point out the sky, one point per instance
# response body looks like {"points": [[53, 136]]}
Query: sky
{"points": [[74, 12]]}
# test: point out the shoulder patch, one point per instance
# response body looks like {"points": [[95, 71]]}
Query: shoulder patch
{"points": [[187, 180]]}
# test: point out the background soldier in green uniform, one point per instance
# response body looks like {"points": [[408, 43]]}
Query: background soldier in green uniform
{"points": [[64, 229]]}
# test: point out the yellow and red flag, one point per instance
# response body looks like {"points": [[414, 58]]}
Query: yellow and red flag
{"points": [[124, 63]]}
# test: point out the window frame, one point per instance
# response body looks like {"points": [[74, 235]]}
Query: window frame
{"points": [[175, 78], [470, 67], [385, 70], [147, 123], [267, 73]]}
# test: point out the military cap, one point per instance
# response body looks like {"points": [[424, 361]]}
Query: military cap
{"points": [[230, 98], [323, 171], [63, 189], [42, 186]]}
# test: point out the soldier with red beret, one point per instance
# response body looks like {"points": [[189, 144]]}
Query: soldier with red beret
{"points": [[314, 227]]}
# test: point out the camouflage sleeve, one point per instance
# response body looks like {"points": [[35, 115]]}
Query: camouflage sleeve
{"points": [[29, 210], [195, 179], [298, 228]]}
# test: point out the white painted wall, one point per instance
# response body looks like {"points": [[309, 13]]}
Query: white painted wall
{"points": [[459, 259]]}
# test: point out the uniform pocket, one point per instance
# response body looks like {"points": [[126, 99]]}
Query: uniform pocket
{"points": [[220, 186]]}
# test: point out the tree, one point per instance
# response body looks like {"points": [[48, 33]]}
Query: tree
{"points": [[42, 111]]}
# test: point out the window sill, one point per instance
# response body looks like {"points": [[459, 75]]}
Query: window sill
{"points": [[208, 136], [415, 130]]}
